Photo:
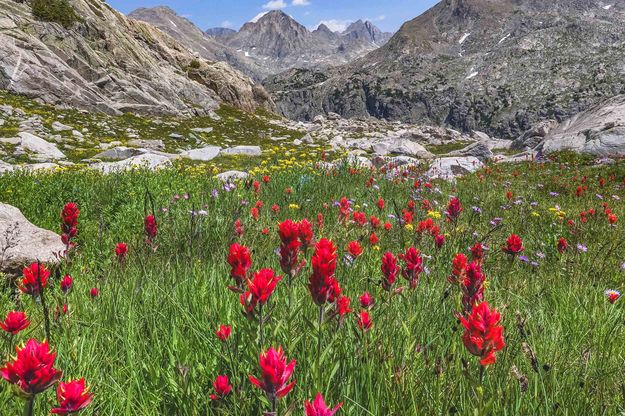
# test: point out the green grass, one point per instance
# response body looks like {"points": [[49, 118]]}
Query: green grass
{"points": [[147, 344], [443, 149]]}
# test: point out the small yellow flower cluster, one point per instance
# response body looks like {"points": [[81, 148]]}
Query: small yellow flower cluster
{"points": [[558, 212], [434, 214]]}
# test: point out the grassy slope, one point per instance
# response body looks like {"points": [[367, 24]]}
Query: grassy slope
{"points": [[156, 317], [235, 128]]}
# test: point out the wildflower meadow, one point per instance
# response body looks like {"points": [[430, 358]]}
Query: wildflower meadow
{"points": [[320, 292]]}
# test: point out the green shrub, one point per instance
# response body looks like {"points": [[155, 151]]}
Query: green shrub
{"points": [[58, 11], [195, 64]]}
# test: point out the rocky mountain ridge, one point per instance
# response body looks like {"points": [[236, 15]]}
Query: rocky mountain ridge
{"points": [[498, 66], [273, 43], [108, 62]]}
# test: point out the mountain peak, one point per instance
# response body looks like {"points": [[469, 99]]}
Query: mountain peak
{"points": [[365, 30], [277, 17]]}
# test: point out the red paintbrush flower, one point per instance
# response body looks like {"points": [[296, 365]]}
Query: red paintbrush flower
{"points": [[389, 270], [319, 408], [562, 245], [359, 218], [364, 321], [32, 371], [413, 266], [222, 388], [514, 245], [15, 322], [94, 292], [454, 209], [366, 300], [255, 213], [69, 223], [343, 209], [69, 215], [259, 289], [342, 305], [354, 249], [477, 253], [121, 249], [322, 284], [240, 262], [275, 374], [439, 240], [458, 268], [483, 337], [289, 248], [380, 204], [305, 233], [35, 279], [72, 397], [374, 239], [472, 286], [150, 228], [238, 228], [223, 332], [66, 284]]}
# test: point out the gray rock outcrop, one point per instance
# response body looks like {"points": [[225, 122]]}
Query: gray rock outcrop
{"points": [[22, 243]]}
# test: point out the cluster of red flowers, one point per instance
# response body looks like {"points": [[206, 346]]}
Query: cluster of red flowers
{"points": [[514, 245], [69, 224], [151, 230], [121, 249], [454, 209], [322, 283], [289, 248], [483, 336], [259, 290], [33, 372], [35, 280], [413, 266], [15, 322], [240, 262]]}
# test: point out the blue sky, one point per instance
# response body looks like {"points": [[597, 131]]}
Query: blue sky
{"points": [[388, 15]]}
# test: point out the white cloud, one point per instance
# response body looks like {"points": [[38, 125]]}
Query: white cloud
{"points": [[257, 17], [226, 24], [336, 25], [301, 3], [379, 18], [274, 5]]}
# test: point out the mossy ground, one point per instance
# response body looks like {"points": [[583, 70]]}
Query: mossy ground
{"points": [[232, 128]]}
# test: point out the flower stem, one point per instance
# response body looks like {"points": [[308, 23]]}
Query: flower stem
{"points": [[274, 407], [46, 316], [30, 406], [319, 345], [260, 326]]}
